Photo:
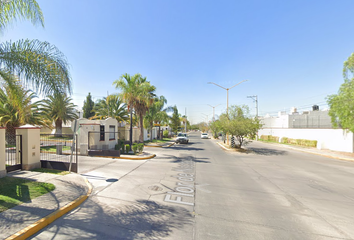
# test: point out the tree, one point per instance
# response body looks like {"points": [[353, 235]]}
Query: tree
{"points": [[111, 106], [38, 63], [138, 93], [156, 114], [342, 104], [215, 128], [175, 120], [88, 107], [16, 107], [238, 124], [60, 109]]}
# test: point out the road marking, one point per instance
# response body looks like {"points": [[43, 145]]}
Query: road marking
{"points": [[185, 186]]}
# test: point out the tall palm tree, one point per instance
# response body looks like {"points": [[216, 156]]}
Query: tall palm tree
{"points": [[17, 107], [157, 114], [60, 109], [37, 63], [138, 94], [111, 106], [144, 101]]}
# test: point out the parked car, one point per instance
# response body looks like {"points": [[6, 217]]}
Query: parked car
{"points": [[182, 138], [204, 136]]}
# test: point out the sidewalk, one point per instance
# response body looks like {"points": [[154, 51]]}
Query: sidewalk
{"points": [[68, 188], [69, 192]]}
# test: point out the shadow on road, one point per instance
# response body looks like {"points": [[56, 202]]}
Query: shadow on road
{"points": [[174, 159], [142, 219], [266, 151]]}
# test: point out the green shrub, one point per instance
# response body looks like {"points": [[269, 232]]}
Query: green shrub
{"points": [[165, 133], [127, 148], [269, 138], [284, 140], [135, 148], [117, 147], [140, 147]]}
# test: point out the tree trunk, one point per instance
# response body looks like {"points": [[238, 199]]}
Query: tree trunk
{"points": [[131, 129], [141, 138], [150, 134], [58, 128]]}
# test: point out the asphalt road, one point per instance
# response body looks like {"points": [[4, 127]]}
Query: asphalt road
{"points": [[199, 191]]}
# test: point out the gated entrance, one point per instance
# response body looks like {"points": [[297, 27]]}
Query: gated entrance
{"points": [[13, 153], [57, 151]]}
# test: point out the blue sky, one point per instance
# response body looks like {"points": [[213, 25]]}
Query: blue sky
{"points": [[291, 52]]}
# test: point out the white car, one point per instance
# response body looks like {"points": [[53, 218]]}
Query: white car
{"points": [[204, 136], [182, 138]]}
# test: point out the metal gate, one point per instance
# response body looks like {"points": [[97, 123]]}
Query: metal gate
{"points": [[13, 153], [59, 152]]}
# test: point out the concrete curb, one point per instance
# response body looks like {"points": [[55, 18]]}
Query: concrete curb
{"points": [[223, 147], [305, 151], [160, 146], [129, 158], [323, 155], [42, 223]]}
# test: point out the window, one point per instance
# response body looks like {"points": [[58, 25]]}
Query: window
{"points": [[102, 133], [112, 135]]}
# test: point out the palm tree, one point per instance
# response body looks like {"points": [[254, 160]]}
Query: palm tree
{"points": [[16, 107], [157, 114], [37, 63], [60, 109], [111, 106], [138, 94]]}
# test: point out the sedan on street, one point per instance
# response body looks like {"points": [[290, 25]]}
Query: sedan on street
{"points": [[204, 136]]}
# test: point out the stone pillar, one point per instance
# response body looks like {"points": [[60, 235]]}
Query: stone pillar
{"points": [[30, 146], [2, 153]]}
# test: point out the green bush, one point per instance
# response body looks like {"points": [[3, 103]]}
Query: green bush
{"points": [[140, 147], [127, 147], [269, 138], [165, 133], [117, 147], [135, 148], [284, 140]]}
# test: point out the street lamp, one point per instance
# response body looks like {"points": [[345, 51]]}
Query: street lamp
{"points": [[214, 111], [227, 106]]}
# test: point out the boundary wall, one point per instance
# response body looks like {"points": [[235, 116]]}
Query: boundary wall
{"points": [[331, 139]]}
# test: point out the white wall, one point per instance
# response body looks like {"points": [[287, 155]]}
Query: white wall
{"points": [[332, 139]]}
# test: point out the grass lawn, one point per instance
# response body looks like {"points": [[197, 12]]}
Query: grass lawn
{"points": [[159, 140], [54, 148], [52, 171], [14, 191]]}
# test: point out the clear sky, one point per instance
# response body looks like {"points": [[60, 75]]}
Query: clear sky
{"points": [[291, 52]]}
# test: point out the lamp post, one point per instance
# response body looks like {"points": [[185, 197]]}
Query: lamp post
{"points": [[214, 111], [227, 106], [255, 99]]}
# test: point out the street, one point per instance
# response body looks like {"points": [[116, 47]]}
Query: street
{"points": [[200, 191]]}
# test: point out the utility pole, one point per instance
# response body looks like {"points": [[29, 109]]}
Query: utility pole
{"points": [[214, 111], [255, 99], [185, 122], [227, 104]]}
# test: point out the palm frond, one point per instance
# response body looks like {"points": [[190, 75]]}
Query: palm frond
{"points": [[38, 63], [12, 10]]}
